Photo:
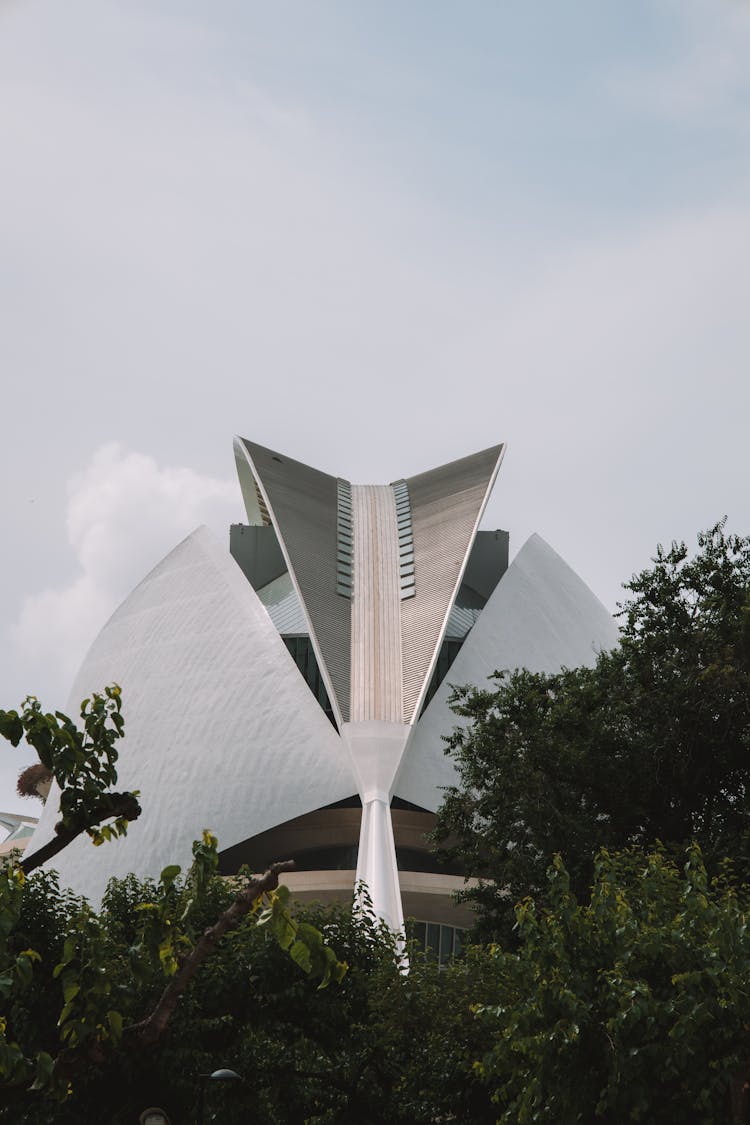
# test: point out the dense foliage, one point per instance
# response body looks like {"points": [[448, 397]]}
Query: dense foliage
{"points": [[80, 967], [82, 760], [630, 1006], [382, 1047], [618, 990], [652, 743]]}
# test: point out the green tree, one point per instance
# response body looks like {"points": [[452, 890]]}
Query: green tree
{"points": [[652, 743], [629, 1006], [384, 1047], [92, 1011], [107, 1011], [82, 761]]}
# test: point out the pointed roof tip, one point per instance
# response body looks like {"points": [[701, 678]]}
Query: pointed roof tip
{"points": [[536, 548], [244, 447], [454, 476], [537, 541], [497, 451], [254, 448], [199, 536], [536, 544], [202, 536]]}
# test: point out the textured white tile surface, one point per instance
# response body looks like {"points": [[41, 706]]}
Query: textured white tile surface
{"points": [[541, 616], [221, 730]]}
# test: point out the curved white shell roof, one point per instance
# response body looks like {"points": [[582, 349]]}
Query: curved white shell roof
{"points": [[221, 730], [541, 616]]}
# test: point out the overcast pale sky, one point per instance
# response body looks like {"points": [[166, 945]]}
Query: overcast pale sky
{"points": [[376, 236]]}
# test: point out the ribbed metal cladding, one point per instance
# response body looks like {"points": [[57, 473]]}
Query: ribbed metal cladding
{"points": [[446, 504], [405, 539], [303, 506], [376, 607]]}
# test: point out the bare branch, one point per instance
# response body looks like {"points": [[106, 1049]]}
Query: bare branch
{"points": [[148, 1031]]}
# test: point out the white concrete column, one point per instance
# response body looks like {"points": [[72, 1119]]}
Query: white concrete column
{"points": [[376, 750], [376, 863]]}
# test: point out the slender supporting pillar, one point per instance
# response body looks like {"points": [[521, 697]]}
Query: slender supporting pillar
{"points": [[376, 863], [376, 750]]}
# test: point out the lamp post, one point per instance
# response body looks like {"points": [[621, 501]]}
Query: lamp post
{"points": [[222, 1075], [153, 1116]]}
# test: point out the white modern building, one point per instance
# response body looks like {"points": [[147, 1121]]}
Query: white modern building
{"points": [[18, 831], [291, 694]]}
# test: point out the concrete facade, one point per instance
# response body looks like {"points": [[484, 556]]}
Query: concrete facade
{"points": [[293, 703]]}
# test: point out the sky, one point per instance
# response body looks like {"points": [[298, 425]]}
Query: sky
{"points": [[376, 237]]}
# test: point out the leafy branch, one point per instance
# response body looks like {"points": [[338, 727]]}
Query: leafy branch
{"points": [[83, 764]]}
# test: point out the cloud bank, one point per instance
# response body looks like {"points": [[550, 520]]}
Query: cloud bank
{"points": [[124, 513]]}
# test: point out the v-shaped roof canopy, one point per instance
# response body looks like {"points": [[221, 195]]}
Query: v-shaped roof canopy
{"points": [[377, 568]]}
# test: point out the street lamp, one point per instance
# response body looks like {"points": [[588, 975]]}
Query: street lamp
{"points": [[153, 1116], [222, 1075]]}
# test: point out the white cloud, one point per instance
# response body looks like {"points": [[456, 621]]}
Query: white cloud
{"points": [[124, 513]]}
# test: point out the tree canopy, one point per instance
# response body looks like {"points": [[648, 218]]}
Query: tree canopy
{"points": [[617, 990], [173, 936], [629, 1005], [650, 744], [381, 1047]]}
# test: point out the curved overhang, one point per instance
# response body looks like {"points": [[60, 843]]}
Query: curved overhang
{"points": [[424, 896]]}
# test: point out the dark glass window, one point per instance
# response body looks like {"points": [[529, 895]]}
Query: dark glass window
{"points": [[432, 941], [303, 655], [415, 859], [439, 942], [334, 858], [448, 652]]}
